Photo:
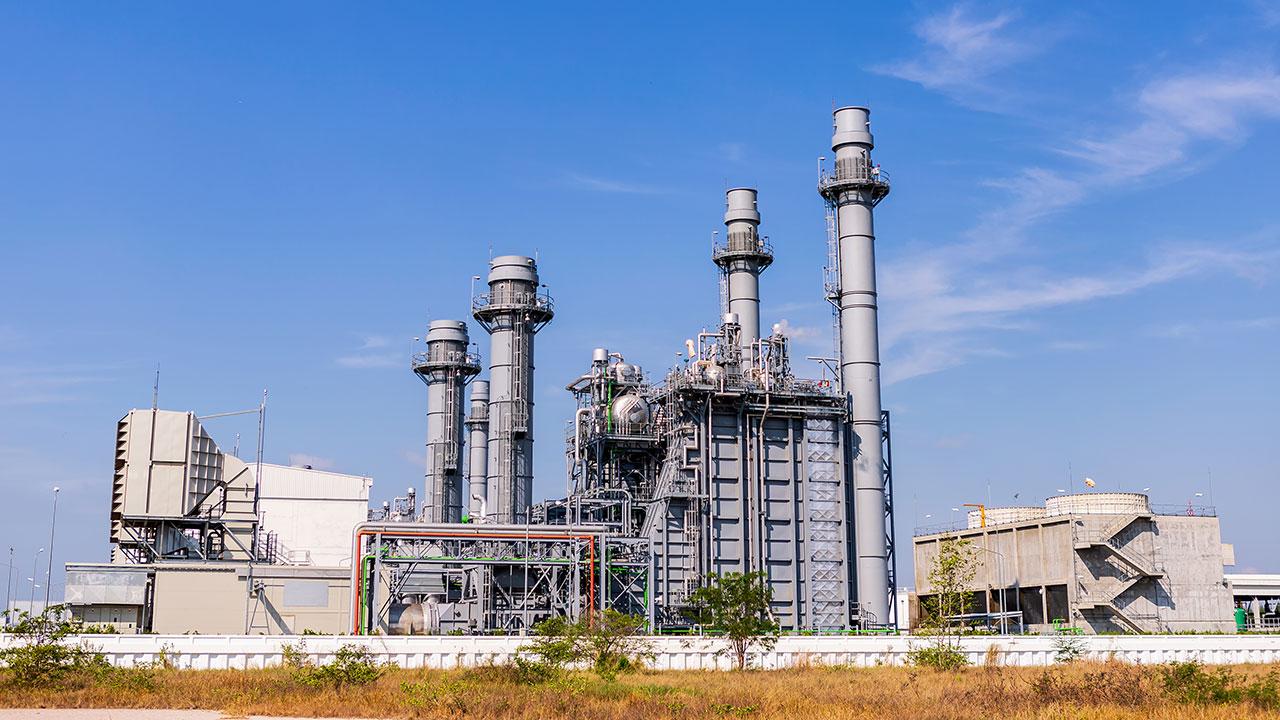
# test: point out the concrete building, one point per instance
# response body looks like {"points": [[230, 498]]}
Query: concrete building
{"points": [[312, 513], [210, 598], [1258, 596], [1104, 562], [205, 542]]}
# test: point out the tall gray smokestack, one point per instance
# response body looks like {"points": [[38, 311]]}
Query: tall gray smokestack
{"points": [[478, 450], [854, 190], [512, 311], [445, 367], [741, 258]]}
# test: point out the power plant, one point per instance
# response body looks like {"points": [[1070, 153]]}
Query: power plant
{"points": [[727, 462]]}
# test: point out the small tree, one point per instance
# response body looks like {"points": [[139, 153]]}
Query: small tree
{"points": [[950, 576], [736, 605], [610, 642]]}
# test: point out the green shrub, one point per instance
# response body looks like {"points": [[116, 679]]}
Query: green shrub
{"points": [[1191, 683], [938, 655], [448, 694], [1068, 648], [352, 665], [609, 643], [44, 654]]}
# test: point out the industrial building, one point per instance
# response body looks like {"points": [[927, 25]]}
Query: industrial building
{"points": [[202, 541], [1102, 562]]}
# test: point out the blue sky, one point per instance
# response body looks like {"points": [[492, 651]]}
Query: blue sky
{"points": [[1078, 263]]}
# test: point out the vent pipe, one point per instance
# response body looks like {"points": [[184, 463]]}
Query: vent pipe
{"points": [[445, 367], [478, 450], [513, 311], [855, 188], [741, 258]]}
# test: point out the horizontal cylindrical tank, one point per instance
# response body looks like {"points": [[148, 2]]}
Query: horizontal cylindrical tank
{"points": [[1110, 503], [1001, 515]]}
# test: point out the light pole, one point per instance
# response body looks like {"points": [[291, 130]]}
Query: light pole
{"points": [[8, 589], [1004, 624], [35, 564], [53, 524]]}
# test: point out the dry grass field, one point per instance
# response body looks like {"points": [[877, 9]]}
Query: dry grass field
{"points": [[1112, 691]]}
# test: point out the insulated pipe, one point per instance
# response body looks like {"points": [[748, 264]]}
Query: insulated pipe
{"points": [[478, 449], [445, 367], [512, 312], [854, 190], [742, 258]]}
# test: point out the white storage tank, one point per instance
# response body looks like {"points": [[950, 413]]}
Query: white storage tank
{"points": [[1106, 503], [1001, 515]]}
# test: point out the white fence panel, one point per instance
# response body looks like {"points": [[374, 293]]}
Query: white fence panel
{"points": [[203, 652]]}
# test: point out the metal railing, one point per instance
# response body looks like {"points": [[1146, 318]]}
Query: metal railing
{"points": [[1186, 509], [735, 246], [855, 171], [428, 359], [507, 298]]}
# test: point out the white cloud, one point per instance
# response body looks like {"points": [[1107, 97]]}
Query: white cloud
{"points": [[734, 152], [930, 322], [598, 184], [1074, 345], [1175, 114], [44, 384], [371, 361], [1260, 323], [939, 301], [962, 51], [314, 461], [372, 353]]}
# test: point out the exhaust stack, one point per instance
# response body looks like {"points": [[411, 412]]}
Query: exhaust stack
{"points": [[855, 188], [512, 312], [445, 367], [478, 450], [741, 258]]}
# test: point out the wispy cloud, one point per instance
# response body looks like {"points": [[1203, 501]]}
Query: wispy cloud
{"points": [[962, 50], [45, 384], [734, 152], [367, 362], [1260, 323], [312, 461], [1176, 113], [598, 184], [372, 353], [1074, 345], [932, 319], [943, 302]]}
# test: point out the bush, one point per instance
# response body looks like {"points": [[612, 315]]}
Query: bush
{"points": [[1113, 683], [1191, 683], [449, 694], [609, 643], [1068, 648], [352, 665], [44, 655], [938, 655]]}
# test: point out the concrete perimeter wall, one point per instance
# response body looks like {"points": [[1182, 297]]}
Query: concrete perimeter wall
{"points": [[673, 653]]}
